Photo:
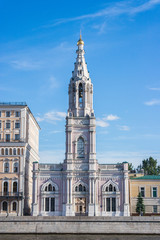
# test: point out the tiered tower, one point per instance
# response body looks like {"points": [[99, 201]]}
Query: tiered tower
{"points": [[80, 132]]}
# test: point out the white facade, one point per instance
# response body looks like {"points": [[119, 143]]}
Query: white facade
{"points": [[80, 186]]}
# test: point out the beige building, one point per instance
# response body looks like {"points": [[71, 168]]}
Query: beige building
{"points": [[149, 186], [19, 148]]}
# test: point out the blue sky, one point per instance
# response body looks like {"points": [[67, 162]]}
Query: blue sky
{"points": [[37, 55]]}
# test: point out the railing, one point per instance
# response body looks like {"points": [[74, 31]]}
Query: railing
{"points": [[14, 103], [12, 140], [11, 195]]}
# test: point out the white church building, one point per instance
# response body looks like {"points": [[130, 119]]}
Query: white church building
{"points": [[80, 185]]}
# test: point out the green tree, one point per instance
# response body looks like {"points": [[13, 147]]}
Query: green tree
{"points": [[140, 208], [150, 166], [130, 167]]}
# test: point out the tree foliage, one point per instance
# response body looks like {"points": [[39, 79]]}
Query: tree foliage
{"points": [[140, 208], [150, 166]]}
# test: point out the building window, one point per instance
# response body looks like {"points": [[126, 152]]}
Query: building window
{"points": [[17, 125], [17, 114], [155, 209], [80, 148], [50, 188], [108, 204], [8, 114], [5, 188], [14, 206], [80, 95], [14, 151], [111, 188], [8, 124], [0, 113], [7, 137], [111, 204], [49, 204], [5, 206], [17, 136], [154, 191], [80, 188], [6, 151], [6, 167], [142, 190], [0, 136], [0, 123], [15, 167], [15, 185]]}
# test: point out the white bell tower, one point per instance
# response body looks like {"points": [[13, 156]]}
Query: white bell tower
{"points": [[80, 132]]}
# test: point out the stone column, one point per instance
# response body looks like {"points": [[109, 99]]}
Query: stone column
{"points": [[90, 191], [70, 181], [126, 189]]}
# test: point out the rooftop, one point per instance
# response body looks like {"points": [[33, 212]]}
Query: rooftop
{"points": [[13, 103], [147, 177]]}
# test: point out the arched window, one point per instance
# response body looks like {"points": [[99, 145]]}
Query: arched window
{"points": [[84, 189], [6, 151], [80, 148], [5, 188], [80, 188], [76, 189], [5, 206], [14, 206], [10, 151], [2, 151], [6, 167], [110, 188], [15, 187], [18, 151], [80, 95], [15, 167], [14, 151], [50, 188]]}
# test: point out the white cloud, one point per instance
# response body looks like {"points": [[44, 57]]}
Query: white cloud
{"points": [[154, 89], [124, 128], [129, 156], [111, 117], [51, 117], [101, 123], [153, 102], [117, 9], [25, 64]]}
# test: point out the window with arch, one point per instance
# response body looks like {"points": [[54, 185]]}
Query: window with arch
{"points": [[5, 206], [2, 151], [15, 187], [80, 95], [14, 151], [80, 147], [110, 188], [10, 151], [15, 167], [50, 188], [14, 206], [6, 151], [6, 167], [80, 188], [18, 152], [5, 188]]}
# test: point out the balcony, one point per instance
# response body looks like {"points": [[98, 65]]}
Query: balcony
{"points": [[12, 140], [13, 103], [8, 195]]}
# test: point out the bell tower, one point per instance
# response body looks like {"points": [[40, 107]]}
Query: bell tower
{"points": [[80, 156]]}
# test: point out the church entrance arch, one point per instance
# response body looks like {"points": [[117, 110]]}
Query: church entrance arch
{"points": [[80, 199]]}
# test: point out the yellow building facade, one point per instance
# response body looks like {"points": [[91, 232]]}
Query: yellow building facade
{"points": [[149, 186], [19, 148]]}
